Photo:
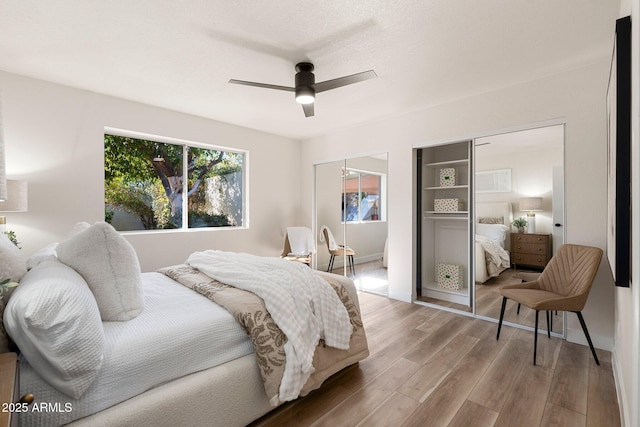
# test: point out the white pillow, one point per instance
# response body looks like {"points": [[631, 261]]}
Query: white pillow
{"points": [[12, 262], [42, 254], [78, 228], [495, 232], [110, 266], [54, 319]]}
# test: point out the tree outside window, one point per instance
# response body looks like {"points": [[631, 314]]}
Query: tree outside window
{"points": [[145, 185], [362, 201]]}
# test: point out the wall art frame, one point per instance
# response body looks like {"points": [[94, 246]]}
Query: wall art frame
{"points": [[493, 181], [619, 156]]}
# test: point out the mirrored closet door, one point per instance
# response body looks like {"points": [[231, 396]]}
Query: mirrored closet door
{"points": [[518, 176], [467, 244], [351, 220]]}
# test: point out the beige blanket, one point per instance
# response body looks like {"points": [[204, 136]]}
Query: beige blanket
{"points": [[268, 340]]}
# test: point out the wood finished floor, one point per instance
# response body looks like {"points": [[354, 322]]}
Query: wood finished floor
{"points": [[430, 367]]}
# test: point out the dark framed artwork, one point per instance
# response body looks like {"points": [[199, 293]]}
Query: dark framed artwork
{"points": [[619, 156]]}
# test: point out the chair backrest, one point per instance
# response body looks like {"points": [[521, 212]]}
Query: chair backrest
{"points": [[332, 245], [299, 240], [570, 273]]}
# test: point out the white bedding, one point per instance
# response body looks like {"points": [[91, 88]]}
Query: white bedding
{"points": [[303, 305], [494, 252], [493, 222], [179, 332]]}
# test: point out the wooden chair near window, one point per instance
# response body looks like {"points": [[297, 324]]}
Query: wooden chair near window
{"points": [[564, 285], [336, 249], [298, 245]]}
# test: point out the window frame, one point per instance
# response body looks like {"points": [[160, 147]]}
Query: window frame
{"points": [[185, 200], [382, 208]]}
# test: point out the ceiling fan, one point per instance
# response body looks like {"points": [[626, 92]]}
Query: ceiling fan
{"points": [[306, 86]]}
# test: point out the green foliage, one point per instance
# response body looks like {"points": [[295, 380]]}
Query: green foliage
{"points": [[203, 219], [108, 214], [12, 236], [132, 198], [132, 159], [145, 178], [519, 222], [7, 284]]}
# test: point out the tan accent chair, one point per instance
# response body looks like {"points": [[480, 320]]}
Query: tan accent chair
{"points": [[564, 285], [340, 250]]}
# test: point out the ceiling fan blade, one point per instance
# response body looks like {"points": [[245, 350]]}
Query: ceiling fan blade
{"points": [[263, 85], [343, 81], [308, 110]]}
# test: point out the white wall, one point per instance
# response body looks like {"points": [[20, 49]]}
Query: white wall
{"points": [[626, 353], [577, 96], [531, 175], [54, 140]]}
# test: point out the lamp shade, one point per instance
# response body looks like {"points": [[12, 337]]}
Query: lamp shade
{"points": [[16, 200], [3, 176], [531, 204]]}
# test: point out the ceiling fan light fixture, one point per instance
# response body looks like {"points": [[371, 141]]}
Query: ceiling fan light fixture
{"points": [[306, 86], [305, 95]]}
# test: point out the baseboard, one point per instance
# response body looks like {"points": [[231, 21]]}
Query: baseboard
{"points": [[338, 263], [620, 394], [599, 341]]}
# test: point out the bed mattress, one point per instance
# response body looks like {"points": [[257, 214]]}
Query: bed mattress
{"points": [[178, 333]]}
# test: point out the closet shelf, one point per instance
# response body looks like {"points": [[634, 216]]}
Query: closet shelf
{"points": [[434, 287], [463, 216], [447, 188], [447, 163], [447, 213]]}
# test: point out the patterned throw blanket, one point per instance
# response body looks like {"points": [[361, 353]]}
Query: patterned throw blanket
{"points": [[268, 339]]}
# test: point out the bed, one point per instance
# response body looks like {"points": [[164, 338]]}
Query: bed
{"points": [[168, 352], [493, 225]]}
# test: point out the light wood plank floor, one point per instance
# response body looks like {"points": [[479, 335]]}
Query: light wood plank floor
{"points": [[434, 368]]}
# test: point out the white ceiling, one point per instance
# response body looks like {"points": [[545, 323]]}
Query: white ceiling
{"points": [[180, 55]]}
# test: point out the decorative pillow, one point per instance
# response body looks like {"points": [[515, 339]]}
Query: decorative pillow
{"points": [[43, 254], [78, 228], [491, 220], [54, 319], [495, 232], [12, 262], [110, 266]]}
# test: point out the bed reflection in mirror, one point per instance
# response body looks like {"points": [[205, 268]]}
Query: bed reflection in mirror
{"points": [[351, 220], [503, 256]]}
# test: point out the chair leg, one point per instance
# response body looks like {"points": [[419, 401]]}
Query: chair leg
{"points": [[548, 323], [586, 334], [504, 304], [535, 338], [330, 266], [518, 310]]}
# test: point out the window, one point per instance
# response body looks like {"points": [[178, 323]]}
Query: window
{"points": [[362, 201], [144, 185]]}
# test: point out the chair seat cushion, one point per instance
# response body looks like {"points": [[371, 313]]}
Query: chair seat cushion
{"points": [[343, 250], [536, 299]]}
